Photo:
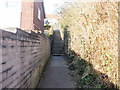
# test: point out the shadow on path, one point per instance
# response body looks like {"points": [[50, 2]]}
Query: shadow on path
{"points": [[56, 72]]}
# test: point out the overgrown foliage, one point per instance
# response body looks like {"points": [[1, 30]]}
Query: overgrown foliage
{"points": [[47, 27], [92, 33], [83, 73]]}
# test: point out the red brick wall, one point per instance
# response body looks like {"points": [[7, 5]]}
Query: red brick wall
{"points": [[36, 21], [29, 17]]}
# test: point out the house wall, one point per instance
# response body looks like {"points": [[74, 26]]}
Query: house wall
{"points": [[38, 23], [30, 16], [27, 15], [22, 58], [21, 14]]}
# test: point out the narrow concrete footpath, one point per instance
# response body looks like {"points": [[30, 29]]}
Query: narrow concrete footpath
{"points": [[56, 74]]}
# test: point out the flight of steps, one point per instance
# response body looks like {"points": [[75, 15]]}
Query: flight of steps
{"points": [[57, 46]]}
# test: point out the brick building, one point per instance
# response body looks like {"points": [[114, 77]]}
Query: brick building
{"points": [[24, 14]]}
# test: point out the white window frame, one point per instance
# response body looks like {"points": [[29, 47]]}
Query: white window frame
{"points": [[39, 14]]}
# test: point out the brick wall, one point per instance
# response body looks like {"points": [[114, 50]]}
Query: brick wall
{"points": [[29, 16], [22, 58], [38, 24]]}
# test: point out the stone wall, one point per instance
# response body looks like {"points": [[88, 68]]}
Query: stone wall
{"points": [[22, 58]]}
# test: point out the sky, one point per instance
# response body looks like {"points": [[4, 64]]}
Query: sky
{"points": [[50, 5]]}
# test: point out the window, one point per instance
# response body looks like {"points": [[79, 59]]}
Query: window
{"points": [[39, 14]]}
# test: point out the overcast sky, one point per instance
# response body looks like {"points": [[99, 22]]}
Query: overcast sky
{"points": [[50, 5]]}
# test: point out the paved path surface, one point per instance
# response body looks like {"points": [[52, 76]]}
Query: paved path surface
{"points": [[56, 74]]}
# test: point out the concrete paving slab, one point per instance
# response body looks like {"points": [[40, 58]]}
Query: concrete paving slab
{"points": [[56, 74]]}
